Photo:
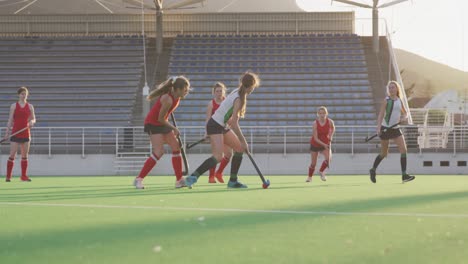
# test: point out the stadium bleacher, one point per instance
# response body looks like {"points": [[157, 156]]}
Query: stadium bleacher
{"points": [[73, 81], [92, 81], [298, 73]]}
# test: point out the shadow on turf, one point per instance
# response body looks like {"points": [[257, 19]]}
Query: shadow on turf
{"points": [[100, 191], [110, 193], [142, 230]]}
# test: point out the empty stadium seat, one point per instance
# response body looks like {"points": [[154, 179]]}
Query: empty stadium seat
{"points": [[73, 81]]}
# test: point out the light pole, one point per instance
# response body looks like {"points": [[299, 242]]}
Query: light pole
{"points": [[159, 8]]}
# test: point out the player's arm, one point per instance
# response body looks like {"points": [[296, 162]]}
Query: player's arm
{"points": [[404, 114], [209, 109], [332, 130], [32, 117]]}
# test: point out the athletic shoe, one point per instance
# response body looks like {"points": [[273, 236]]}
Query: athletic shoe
{"points": [[7, 180], [211, 180], [236, 185], [219, 177], [407, 178], [372, 175], [180, 183], [309, 179], [322, 176], [25, 179], [138, 183], [190, 180]]}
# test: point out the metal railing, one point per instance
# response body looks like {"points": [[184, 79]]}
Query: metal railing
{"points": [[217, 23], [262, 139]]}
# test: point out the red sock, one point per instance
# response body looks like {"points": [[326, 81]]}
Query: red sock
{"points": [[324, 165], [212, 172], [311, 171], [24, 167], [10, 163], [222, 165], [177, 164], [148, 166]]}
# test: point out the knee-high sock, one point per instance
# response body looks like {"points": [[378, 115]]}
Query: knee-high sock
{"points": [[311, 170], [212, 172], [24, 167], [324, 165], [222, 165], [10, 163], [177, 164], [403, 163], [236, 162], [148, 166], [377, 161], [206, 165]]}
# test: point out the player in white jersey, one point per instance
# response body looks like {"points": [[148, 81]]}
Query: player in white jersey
{"points": [[390, 116], [223, 128]]}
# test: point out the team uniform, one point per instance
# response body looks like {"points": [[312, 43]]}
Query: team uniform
{"points": [[323, 133], [21, 117], [218, 121], [153, 126], [215, 126], [225, 160], [215, 106], [392, 117], [20, 120]]}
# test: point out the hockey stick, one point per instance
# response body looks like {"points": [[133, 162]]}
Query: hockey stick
{"points": [[266, 183], [189, 146], [182, 150], [14, 134], [375, 135]]}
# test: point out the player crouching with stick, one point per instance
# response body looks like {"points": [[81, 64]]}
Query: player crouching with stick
{"points": [[322, 136], [160, 131]]}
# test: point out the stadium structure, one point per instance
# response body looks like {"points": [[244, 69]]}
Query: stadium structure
{"points": [[86, 63]]}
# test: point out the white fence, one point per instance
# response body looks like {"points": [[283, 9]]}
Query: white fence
{"points": [[261, 139]]}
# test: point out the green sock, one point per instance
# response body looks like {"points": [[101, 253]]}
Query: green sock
{"points": [[235, 165], [377, 161], [403, 163], [206, 165]]}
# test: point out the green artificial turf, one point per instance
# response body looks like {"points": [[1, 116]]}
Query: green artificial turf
{"points": [[346, 219]]}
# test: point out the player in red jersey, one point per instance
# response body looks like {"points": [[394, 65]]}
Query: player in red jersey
{"points": [[219, 93], [323, 131], [21, 116], [167, 96]]}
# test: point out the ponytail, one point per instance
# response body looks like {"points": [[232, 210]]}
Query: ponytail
{"points": [[247, 80], [175, 82]]}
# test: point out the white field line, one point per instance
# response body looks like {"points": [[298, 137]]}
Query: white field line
{"points": [[234, 210]]}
